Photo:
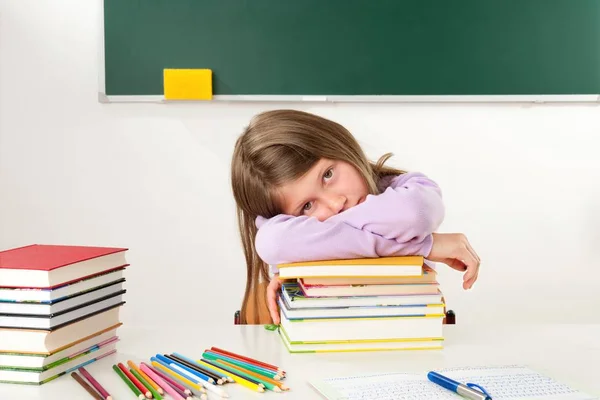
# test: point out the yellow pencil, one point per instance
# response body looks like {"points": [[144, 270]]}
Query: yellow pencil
{"points": [[236, 378], [146, 377], [183, 379]]}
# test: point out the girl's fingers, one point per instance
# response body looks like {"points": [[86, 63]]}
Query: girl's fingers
{"points": [[272, 290], [472, 265], [472, 251], [468, 284]]}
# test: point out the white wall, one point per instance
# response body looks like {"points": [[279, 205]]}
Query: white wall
{"points": [[521, 181]]}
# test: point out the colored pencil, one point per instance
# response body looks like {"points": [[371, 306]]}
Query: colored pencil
{"points": [[181, 392], [271, 374], [250, 384], [163, 371], [128, 382], [135, 381], [146, 377], [105, 395], [144, 382], [172, 382], [209, 386], [87, 387], [263, 379], [209, 369], [240, 371], [169, 367], [199, 374], [192, 364], [196, 368], [168, 388], [248, 359]]}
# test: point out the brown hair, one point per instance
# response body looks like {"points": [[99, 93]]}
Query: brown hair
{"points": [[278, 147]]}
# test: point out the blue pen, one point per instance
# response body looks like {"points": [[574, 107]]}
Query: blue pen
{"points": [[457, 387]]}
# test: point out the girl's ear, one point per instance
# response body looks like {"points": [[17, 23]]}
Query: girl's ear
{"points": [[257, 310]]}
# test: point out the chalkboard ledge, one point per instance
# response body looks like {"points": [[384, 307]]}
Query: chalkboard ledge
{"points": [[584, 98]]}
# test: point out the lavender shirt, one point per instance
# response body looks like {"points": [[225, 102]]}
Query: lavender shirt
{"points": [[397, 222]]}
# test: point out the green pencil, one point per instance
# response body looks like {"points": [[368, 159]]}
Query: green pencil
{"points": [[234, 370], [248, 366], [128, 382], [145, 383]]}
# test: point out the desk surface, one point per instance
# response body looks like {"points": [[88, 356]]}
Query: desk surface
{"points": [[568, 353]]}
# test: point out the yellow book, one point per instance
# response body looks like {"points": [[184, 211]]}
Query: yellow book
{"points": [[436, 343], [356, 267]]}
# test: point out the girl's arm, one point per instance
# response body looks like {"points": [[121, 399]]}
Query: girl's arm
{"points": [[287, 238], [397, 222], [411, 208]]}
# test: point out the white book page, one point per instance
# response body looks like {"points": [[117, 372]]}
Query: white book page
{"points": [[502, 383]]}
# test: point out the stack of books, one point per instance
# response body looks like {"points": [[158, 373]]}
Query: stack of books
{"points": [[59, 309], [388, 303]]}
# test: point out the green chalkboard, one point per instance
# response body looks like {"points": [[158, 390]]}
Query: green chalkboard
{"points": [[356, 47]]}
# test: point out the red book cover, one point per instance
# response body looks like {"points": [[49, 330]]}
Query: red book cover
{"points": [[49, 257]]}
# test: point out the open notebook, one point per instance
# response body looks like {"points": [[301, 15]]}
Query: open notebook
{"points": [[502, 383]]}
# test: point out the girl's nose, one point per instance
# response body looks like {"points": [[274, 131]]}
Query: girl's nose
{"points": [[336, 203]]}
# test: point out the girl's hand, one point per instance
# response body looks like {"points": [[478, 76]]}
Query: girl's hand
{"points": [[454, 250], [272, 293]]}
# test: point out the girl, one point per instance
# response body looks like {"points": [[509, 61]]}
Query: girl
{"points": [[305, 190]]}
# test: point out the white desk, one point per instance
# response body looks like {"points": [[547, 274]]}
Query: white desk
{"points": [[568, 353]]}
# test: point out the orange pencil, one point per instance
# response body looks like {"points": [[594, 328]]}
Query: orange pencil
{"points": [[146, 377], [247, 359]]}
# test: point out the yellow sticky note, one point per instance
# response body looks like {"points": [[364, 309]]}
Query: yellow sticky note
{"points": [[187, 84]]}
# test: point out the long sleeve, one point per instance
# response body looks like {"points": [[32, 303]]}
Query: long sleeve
{"points": [[287, 238], [397, 222], [411, 208]]}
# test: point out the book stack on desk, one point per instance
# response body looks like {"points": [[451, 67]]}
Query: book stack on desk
{"points": [[388, 303], [59, 309]]}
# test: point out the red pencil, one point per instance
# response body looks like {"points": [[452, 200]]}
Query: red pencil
{"points": [[247, 359], [135, 381], [95, 384]]}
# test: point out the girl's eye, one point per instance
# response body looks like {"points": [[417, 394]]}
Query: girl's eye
{"points": [[307, 206], [328, 174]]}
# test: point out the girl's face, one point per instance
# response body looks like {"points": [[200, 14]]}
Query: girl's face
{"points": [[328, 188]]}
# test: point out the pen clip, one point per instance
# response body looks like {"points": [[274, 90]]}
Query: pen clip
{"points": [[481, 389]]}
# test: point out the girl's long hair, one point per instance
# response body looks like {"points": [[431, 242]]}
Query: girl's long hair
{"points": [[278, 147]]}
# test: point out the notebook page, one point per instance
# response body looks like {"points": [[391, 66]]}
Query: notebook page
{"points": [[503, 383], [382, 387]]}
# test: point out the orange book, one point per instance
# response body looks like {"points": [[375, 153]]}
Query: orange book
{"points": [[357, 267]]}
